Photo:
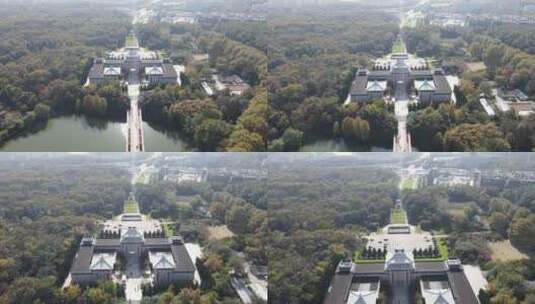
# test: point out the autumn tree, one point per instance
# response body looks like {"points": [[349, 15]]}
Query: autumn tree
{"points": [[521, 233]]}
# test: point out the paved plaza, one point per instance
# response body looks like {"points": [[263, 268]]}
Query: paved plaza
{"points": [[408, 242]]}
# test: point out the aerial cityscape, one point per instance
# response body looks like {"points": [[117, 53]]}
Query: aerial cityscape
{"points": [[402, 76], [267, 227], [408, 228], [267, 76], [267, 151], [138, 76], [152, 228]]}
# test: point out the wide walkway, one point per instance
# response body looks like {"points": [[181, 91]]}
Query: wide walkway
{"points": [[402, 141], [134, 279], [134, 141], [400, 294], [133, 291]]}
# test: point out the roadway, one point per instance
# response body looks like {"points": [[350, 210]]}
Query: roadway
{"points": [[241, 289], [258, 286]]}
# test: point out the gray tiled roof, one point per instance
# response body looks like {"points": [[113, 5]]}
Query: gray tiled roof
{"points": [[97, 71], [462, 291], [430, 266], [103, 261], [107, 243], [341, 282], [169, 71], [359, 85], [421, 74], [182, 259], [379, 74], [82, 260], [156, 241], [164, 263], [132, 235], [443, 87], [378, 268], [339, 288]]}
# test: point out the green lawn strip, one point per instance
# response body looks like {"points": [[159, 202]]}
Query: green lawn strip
{"points": [[169, 229], [359, 260], [431, 62], [398, 47], [140, 179], [443, 251], [131, 207], [407, 184], [398, 217], [130, 41]]}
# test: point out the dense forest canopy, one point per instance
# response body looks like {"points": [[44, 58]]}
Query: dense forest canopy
{"points": [[312, 59], [465, 126], [238, 204], [519, 36], [316, 214], [45, 210], [48, 203], [45, 54], [222, 122], [44, 64], [320, 210]]}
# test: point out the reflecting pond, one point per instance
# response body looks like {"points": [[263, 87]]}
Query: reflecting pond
{"points": [[339, 145], [83, 134]]}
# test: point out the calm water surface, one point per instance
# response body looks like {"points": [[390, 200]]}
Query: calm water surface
{"points": [[81, 134], [339, 145]]}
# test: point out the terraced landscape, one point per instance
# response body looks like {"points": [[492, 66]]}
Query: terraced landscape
{"points": [[398, 216], [408, 184], [131, 206], [399, 47]]}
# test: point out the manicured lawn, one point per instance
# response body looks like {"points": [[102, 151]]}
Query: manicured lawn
{"points": [[398, 216], [130, 41], [432, 62], [141, 179], [169, 229], [359, 260], [131, 207], [408, 184], [399, 47], [442, 249]]}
